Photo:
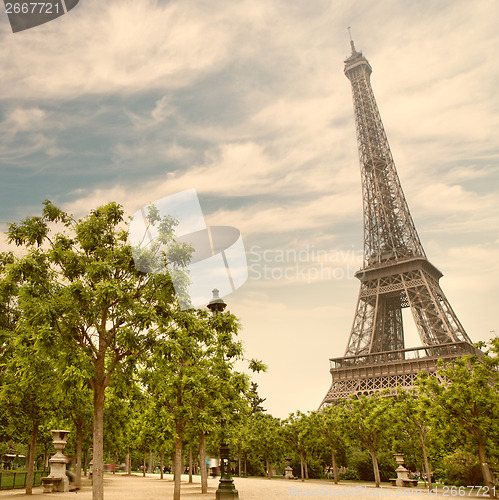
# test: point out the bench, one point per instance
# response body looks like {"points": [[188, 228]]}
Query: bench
{"points": [[405, 482], [51, 484]]}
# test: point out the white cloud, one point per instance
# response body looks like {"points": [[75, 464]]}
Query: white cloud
{"points": [[23, 120], [119, 46], [454, 199], [162, 110]]}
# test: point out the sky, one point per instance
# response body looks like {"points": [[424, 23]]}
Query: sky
{"points": [[247, 103]]}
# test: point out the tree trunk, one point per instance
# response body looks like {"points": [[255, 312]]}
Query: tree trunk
{"points": [[128, 464], [306, 468], [79, 441], [202, 463], [269, 468], [98, 441], [161, 463], [178, 461], [426, 465], [239, 463], [425, 476], [301, 466], [335, 468], [245, 466], [85, 465], [487, 475], [144, 465], [151, 463], [190, 464], [31, 458], [377, 479], [45, 457]]}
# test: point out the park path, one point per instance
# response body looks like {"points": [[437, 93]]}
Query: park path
{"points": [[151, 487]]}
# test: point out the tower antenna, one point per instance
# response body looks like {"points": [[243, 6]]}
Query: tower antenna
{"points": [[351, 40]]}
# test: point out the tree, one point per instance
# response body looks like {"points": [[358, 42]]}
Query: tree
{"points": [[30, 391], [466, 401], [171, 374], [149, 433], [368, 422], [265, 440], [120, 411], [191, 373], [301, 432], [9, 315], [80, 290], [332, 427], [76, 401], [413, 414], [255, 400]]}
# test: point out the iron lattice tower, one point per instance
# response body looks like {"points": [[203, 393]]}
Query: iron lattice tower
{"points": [[395, 272]]}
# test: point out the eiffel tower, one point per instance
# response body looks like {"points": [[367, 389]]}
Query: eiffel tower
{"points": [[395, 272]]}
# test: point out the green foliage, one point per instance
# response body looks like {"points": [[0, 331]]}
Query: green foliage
{"points": [[265, 445], [315, 467], [461, 468], [80, 292], [191, 370], [29, 391], [368, 421], [350, 475], [361, 462], [254, 399], [412, 425], [465, 404]]}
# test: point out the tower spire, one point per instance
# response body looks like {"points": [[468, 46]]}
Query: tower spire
{"points": [[352, 45]]}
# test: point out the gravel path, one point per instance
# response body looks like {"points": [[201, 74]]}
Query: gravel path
{"points": [[151, 487]]}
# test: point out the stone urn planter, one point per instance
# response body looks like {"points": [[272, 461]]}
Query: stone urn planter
{"points": [[57, 479], [288, 470]]}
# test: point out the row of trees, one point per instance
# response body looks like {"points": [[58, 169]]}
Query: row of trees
{"points": [[79, 321], [78, 317], [449, 428]]}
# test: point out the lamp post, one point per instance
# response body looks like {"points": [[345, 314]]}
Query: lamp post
{"points": [[216, 304], [226, 488]]}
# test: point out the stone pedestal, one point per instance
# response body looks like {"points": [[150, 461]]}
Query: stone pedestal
{"points": [[57, 479], [403, 480], [402, 476], [288, 470]]}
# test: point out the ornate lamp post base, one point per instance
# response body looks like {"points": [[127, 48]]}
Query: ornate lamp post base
{"points": [[226, 489]]}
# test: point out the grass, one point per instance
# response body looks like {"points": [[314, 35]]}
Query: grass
{"points": [[17, 479]]}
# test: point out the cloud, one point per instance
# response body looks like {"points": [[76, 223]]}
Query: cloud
{"points": [[25, 131], [24, 119], [119, 46], [162, 110], [454, 199]]}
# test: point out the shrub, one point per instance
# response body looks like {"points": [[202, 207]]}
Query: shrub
{"points": [[462, 469], [349, 475], [363, 464]]}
